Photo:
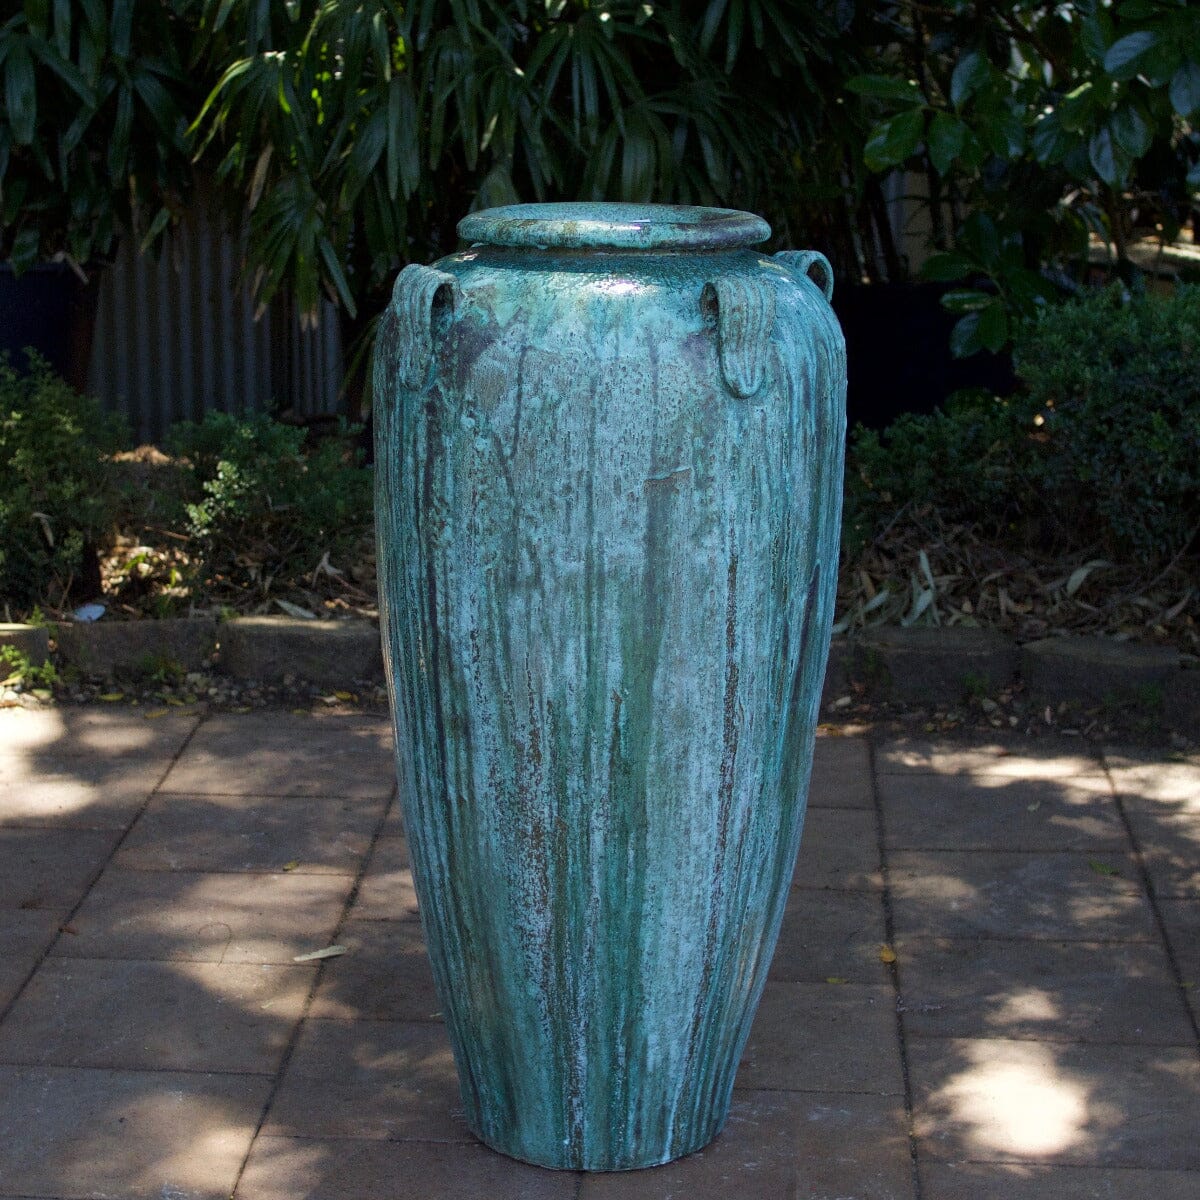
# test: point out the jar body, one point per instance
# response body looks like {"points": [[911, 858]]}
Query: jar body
{"points": [[609, 492]]}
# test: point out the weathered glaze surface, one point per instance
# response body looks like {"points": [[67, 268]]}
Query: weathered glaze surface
{"points": [[609, 456]]}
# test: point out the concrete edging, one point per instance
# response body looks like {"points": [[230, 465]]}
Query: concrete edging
{"points": [[933, 665], [262, 649], [926, 665], [323, 652]]}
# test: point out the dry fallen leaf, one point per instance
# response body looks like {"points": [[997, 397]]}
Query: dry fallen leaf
{"points": [[291, 866], [313, 955], [835, 979], [1102, 868], [156, 712], [886, 954], [111, 696]]}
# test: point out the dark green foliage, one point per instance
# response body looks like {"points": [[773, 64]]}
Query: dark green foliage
{"points": [[966, 459], [1034, 126], [267, 506], [92, 125], [361, 132], [59, 493], [1118, 385], [1100, 448]]}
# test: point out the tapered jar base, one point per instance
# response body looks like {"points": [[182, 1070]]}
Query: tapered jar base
{"points": [[603, 1159]]}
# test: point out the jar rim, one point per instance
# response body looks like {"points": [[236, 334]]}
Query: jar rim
{"points": [[609, 226]]}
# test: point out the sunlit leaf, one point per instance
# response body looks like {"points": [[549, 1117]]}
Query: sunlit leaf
{"points": [[1185, 89], [971, 72], [1126, 55]]}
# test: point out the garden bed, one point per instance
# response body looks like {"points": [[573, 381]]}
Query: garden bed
{"points": [[923, 571], [934, 679], [980, 543]]}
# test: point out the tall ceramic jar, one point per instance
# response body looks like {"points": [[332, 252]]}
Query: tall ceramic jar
{"points": [[609, 461]]}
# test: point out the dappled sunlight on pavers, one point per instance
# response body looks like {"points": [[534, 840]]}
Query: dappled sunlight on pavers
{"points": [[387, 890], [1020, 1106], [96, 793], [784, 1144], [313, 835], [1144, 778], [1070, 896], [1011, 757], [974, 950], [183, 1016], [323, 1169], [206, 916], [259, 754], [1038, 989], [262, 754], [125, 1135], [997, 812], [839, 850], [370, 1079], [91, 733], [996, 1099], [1026, 1181]]}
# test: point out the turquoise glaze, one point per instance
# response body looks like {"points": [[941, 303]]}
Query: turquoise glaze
{"points": [[609, 462]]}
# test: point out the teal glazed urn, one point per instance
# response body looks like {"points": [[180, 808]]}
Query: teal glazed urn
{"points": [[609, 446]]}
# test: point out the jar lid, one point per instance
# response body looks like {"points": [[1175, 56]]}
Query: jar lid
{"points": [[614, 227]]}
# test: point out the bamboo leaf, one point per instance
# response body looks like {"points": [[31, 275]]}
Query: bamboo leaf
{"points": [[20, 96], [1079, 576], [885, 87]]}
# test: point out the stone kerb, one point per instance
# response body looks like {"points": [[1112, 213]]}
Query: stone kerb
{"points": [[932, 665], [1119, 672], [927, 665], [31, 640], [322, 652], [922, 664], [112, 648]]}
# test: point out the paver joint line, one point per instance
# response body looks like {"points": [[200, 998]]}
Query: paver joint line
{"points": [[1105, 1051], [318, 975], [893, 970], [1152, 896], [66, 921]]}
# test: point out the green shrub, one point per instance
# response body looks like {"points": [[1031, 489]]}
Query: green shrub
{"points": [[1100, 447], [17, 667], [268, 507], [60, 498], [964, 459], [1118, 387]]}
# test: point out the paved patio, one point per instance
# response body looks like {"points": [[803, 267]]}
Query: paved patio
{"points": [[1033, 1037]]}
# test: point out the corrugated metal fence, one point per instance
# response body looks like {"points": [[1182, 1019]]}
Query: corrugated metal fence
{"points": [[176, 338]]}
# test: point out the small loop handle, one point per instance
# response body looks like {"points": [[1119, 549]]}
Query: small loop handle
{"points": [[414, 296], [743, 310], [802, 262]]}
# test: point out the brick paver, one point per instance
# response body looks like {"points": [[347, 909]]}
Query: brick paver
{"points": [[1035, 1036]]}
